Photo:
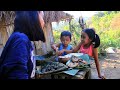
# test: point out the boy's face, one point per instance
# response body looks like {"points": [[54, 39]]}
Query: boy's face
{"points": [[65, 40], [85, 39]]}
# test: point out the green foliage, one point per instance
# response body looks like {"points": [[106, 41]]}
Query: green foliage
{"points": [[56, 35], [105, 24]]}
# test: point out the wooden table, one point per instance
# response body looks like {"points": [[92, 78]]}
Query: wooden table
{"points": [[82, 74]]}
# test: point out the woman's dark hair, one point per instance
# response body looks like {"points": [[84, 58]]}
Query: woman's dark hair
{"points": [[93, 36], [66, 33], [27, 22]]}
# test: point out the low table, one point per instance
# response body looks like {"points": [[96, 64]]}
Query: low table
{"points": [[81, 74]]}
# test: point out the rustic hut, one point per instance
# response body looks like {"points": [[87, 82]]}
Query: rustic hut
{"points": [[7, 24]]}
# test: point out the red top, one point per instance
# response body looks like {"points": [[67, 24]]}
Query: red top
{"points": [[88, 50]]}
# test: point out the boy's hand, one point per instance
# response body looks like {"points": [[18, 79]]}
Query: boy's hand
{"points": [[56, 49], [59, 53]]}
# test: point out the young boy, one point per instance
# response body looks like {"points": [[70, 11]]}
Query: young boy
{"points": [[64, 45]]}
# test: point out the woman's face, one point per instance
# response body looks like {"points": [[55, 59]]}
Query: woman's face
{"points": [[41, 20], [85, 39]]}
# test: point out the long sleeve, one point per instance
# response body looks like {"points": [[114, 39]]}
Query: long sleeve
{"points": [[15, 64]]}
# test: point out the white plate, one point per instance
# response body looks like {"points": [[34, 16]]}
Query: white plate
{"points": [[70, 55]]}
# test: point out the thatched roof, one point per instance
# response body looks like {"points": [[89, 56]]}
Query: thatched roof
{"points": [[8, 16], [50, 16], [56, 16]]}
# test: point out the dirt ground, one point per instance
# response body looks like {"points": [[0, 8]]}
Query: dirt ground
{"points": [[110, 66]]}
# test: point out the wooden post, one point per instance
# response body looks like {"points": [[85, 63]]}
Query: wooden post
{"points": [[81, 23]]}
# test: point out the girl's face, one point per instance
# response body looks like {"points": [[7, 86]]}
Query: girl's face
{"points": [[85, 39], [41, 20], [65, 40]]}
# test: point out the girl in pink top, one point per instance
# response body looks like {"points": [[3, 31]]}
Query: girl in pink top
{"points": [[88, 45], [88, 50]]}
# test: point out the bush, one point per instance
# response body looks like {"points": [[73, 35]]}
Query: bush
{"points": [[56, 35], [110, 38]]}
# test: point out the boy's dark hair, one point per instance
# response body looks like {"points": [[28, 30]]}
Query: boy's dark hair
{"points": [[66, 33], [93, 36], [27, 22]]}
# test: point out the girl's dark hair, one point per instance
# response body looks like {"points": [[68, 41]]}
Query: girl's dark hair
{"points": [[27, 22], [93, 36], [66, 33]]}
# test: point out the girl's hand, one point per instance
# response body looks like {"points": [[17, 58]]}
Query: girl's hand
{"points": [[102, 77]]}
